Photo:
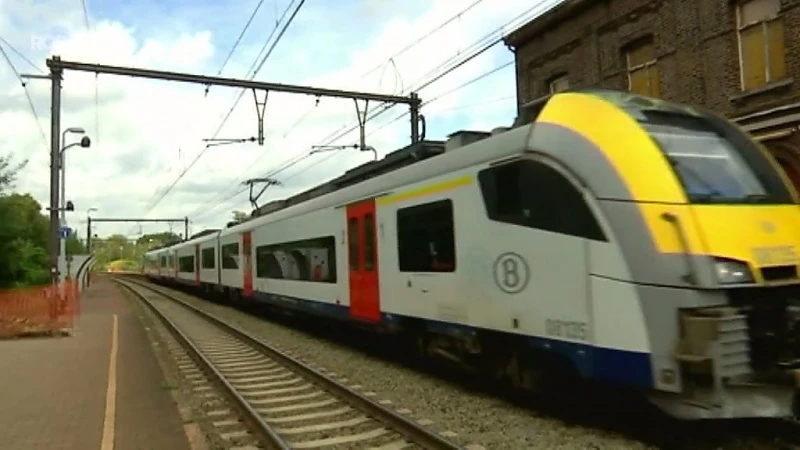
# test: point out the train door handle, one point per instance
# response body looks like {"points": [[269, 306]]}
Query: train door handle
{"points": [[424, 291], [673, 219], [408, 283]]}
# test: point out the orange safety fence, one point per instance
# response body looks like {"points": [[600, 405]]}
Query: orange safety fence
{"points": [[39, 310]]}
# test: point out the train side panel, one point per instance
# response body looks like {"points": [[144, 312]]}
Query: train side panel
{"points": [[186, 264], [301, 262], [209, 274], [230, 261]]}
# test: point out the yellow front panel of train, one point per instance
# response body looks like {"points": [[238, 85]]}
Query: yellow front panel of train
{"points": [[763, 235]]}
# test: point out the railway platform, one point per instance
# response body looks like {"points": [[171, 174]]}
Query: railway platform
{"points": [[100, 388]]}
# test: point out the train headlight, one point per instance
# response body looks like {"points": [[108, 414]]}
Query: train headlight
{"points": [[729, 271]]}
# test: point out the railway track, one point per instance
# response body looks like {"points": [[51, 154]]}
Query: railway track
{"points": [[285, 403]]}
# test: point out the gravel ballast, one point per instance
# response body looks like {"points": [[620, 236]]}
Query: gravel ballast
{"points": [[469, 418]]}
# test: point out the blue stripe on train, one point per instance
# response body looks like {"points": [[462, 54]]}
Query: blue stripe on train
{"points": [[598, 363]]}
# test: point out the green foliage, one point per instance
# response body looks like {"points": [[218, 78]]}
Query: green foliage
{"points": [[117, 247], [74, 246], [124, 264], [9, 172], [240, 216], [153, 240], [24, 256], [23, 240]]}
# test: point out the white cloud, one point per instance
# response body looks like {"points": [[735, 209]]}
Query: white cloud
{"points": [[144, 123]]}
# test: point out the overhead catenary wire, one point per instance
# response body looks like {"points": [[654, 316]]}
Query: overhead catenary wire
{"points": [[27, 93], [20, 55], [389, 61], [202, 152], [493, 38], [299, 158], [238, 40], [438, 97], [253, 73], [448, 65]]}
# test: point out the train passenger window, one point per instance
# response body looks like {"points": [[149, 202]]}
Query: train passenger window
{"points": [[426, 238], [352, 242], [536, 195], [369, 242], [163, 261], [230, 256], [186, 264], [305, 260], [207, 258]]}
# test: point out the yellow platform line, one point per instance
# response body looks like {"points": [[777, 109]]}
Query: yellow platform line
{"points": [[111, 393]]}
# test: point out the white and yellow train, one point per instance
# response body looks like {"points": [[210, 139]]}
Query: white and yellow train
{"points": [[606, 235]]}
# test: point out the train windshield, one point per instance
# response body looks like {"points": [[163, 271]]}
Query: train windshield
{"points": [[708, 166], [715, 161]]}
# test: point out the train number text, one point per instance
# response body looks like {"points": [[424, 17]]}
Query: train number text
{"points": [[566, 329]]}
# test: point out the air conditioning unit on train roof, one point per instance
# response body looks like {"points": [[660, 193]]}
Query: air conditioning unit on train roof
{"points": [[464, 137]]}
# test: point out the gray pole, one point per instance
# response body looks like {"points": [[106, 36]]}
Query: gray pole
{"points": [[55, 148], [186, 228], [414, 110], [62, 243]]}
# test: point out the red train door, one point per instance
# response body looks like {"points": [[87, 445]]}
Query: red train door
{"points": [[197, 264], [247, 267], [363, 261]]}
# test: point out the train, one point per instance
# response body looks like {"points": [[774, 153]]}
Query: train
{"points": [[604, 236]]}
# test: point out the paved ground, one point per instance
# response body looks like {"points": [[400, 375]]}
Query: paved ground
{"points": [[53, 391]]}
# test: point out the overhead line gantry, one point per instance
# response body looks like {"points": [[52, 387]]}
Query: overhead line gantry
{"points": [[57, 67]]}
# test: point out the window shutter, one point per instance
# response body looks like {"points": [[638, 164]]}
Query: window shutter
{"points": [[638, 81], [777, 53], [655, 82], [753, 57]]}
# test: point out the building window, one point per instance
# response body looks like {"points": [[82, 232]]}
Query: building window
{"points": [[558, 84], [642, 69], [761, 50], [426, 237]]}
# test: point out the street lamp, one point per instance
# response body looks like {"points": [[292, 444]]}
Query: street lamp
{"points": [[85, 142]]}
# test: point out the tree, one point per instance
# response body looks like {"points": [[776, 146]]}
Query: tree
{"points": [[240, 216], [74, 246], [23, 240], [158, 239], [9, 172]]}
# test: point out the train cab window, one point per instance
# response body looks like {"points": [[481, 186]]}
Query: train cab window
{"points": [[369, 242], [426, 238], [352, 242], [535, 195], [207, 258], [230, 256], [186, 264]]}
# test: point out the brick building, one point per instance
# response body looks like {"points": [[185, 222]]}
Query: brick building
{"points": [[741, 58]]}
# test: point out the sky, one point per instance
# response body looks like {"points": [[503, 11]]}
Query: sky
{"points": [[146, 133]]}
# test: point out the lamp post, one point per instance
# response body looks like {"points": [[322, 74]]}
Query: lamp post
{"points": [[89, 229], [85, 142]]}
